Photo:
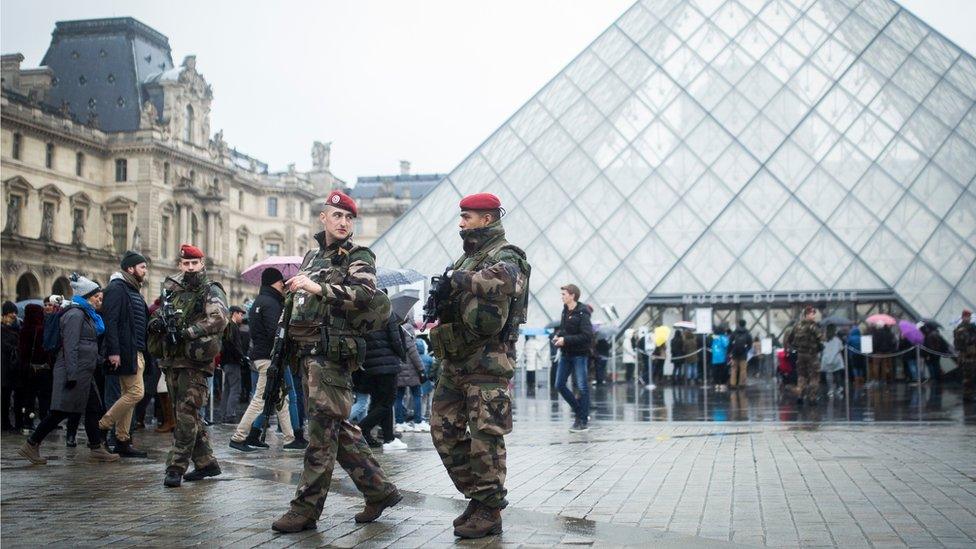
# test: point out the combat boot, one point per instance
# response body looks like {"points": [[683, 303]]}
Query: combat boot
{"points": [[212, 469], [125, 449], [101, 453], [473, 505], [174, 477], [254, 439], [375, 509], [293, 522], [32, 453], [486, 521]]}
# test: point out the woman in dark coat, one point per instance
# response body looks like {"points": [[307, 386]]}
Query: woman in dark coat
{"points": [[34, 365], [73, 391]]}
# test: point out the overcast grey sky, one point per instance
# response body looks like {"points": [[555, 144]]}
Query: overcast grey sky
{"points": [[424, 81]]}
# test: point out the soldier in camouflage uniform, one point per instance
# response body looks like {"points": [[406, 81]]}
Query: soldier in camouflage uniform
{"points": [[964, 340], [471, 409], [335, 283], [808, 342], [201, 310]]}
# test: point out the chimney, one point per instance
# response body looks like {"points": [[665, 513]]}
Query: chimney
{"points": [[404, 167], [11, 70]]}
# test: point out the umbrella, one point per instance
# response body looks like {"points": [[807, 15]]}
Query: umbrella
{"points": [[931, 323], [396, 277], [287, 264], [836, 321], [21, 305], [661, 335], [403, 301], [606, 332], [882, 318], [686, 324], [911, 332]]}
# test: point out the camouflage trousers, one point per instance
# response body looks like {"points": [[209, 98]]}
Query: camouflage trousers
{"points": [[468, 422], [331, 438], [807, 376], [188, 390], [967, 368]]}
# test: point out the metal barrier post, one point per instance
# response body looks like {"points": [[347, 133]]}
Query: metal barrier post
{"points": [[847, 382], [918, 378]]}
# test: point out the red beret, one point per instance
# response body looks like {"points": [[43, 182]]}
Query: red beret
{"points": [[480, 201], [342, 201], [966, 312], [189, 251]]}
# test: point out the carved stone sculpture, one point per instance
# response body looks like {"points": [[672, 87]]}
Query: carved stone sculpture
{"points": [[321, 156], [78, 231], [47, 222]]}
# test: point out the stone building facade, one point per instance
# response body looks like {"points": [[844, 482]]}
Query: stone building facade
{"points": [[107, 147], [384, 198]]}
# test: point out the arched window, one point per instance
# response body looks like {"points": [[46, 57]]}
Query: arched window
{"points": [[188, 125]]}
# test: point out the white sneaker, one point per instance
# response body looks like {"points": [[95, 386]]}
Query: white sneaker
{"points": [[397, 444], [422, 427], [402, 427], [650, 387]]}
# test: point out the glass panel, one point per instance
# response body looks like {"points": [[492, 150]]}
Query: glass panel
{"points": [[679, 281], [708, 140], [923, 289], [660, 43], [709, 88], [846, 163], [654, 199], [432, 205], [870, 134], [650, 260], [759, 86], [679, 228], [893, 106], [853, 223], [708, 197], [738, 279], [733, 63], [967, 127], [575, 172], [839, 108], [785, 110], [599, 200], [628, 171], [586, 70], [502, 148], [886, 255], [604, 144], [925, 132], [736, 227], [631, 117], [855, 33], [862, 81], [821, 193], [558, 95], [877, 12], [634, 68], [683, 21], [552, 146], [546, 202], [684, 66], [936, 189], [473, 173], [809, 84], [657, 91], [957, 158], [915, 79], [779, 15], [530, 121], [431, 257], [963, 75], [636, 22], [826, 257], [906, 30], [569, 231], [593, 262], [902, 161], [947, 103], [816, 136], [798, 277], [621, 290], [681, 169], [912, 222], [656, 143], [545, 261], [766, 253], [833, 58], [628, 230], [519, 226], [608, 93], [756, 39], [734, 112], [402, 238], [794, 226], [884, 56], [859, 277], [948, 254], [828, 14], [708, 260], [611, 45], [878, 190], [682, 115], [805, 36], [936, 52], [708, 41], [761, 137], [523, 175], [580, 119], [707, 7], [764, 196], [736, 167], [790, 165]]}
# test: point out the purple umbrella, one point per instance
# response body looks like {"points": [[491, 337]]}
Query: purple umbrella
{"points": [[287, 264], [910, 332]]}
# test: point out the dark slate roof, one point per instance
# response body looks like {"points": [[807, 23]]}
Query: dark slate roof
{"points": [[99, 66], [418, 185]]}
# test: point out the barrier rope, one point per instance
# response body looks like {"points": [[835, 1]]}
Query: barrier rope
{"points": [[645, 353], [938, 353], [882, 355]]}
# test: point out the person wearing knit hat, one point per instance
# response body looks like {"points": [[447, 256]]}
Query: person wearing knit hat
{"points": [[126, 345], [964, 339], [73, 389], [9, 309], [271, 275]]}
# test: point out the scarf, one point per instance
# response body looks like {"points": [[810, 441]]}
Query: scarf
{"points": [[475, 240], [96, 318], [130, 280]]}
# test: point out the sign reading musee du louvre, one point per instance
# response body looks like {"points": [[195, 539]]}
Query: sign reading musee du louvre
{"points": [[768, 297]]}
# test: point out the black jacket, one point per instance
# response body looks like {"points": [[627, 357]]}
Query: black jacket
{"points": [[232, 348], [576, 331], [739, 343], [884, 340], [8, 360], [124, 312], [262, 320], [385, 350]]}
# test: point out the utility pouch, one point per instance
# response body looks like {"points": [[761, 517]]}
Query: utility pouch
{"points": [[444, 342]]}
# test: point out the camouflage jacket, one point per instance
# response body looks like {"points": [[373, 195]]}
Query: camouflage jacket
{"points": [[203, 314], [964, 340], [485, 282], [347, 274], [806, 337]]}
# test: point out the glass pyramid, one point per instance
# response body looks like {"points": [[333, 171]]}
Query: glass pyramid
{"points": [[734, 146]]}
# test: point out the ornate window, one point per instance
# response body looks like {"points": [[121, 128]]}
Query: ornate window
{"points": [[121, 170], [120, 231], [272, 206], [272, 248]]}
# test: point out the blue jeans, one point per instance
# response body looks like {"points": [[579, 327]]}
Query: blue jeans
{"points": [[912, 369], [292, 402], [400, 411], [578, 365], [359, 408]]}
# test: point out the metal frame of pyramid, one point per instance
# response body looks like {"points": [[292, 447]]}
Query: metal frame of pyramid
{"points": [[734, 146]]}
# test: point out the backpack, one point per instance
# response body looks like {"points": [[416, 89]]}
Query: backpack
{"points": [[52, 332], [740, 343]]}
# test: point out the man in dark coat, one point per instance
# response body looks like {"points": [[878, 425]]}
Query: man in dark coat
{"points": [[232, 360], [8, 361], [126, 317], [739, 345], [385, 352], [574, 338]]}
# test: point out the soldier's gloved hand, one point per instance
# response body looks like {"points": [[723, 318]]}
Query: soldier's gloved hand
{"points": [[156, 325]]}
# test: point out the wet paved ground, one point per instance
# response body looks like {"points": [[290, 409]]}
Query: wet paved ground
{"points": [[746, 469]]}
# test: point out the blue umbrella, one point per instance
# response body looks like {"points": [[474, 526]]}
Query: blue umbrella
{"points": [[396, 277]]}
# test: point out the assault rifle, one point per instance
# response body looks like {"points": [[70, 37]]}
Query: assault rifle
{"points": [[170, 317], [276, 371], [438, 296]]}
